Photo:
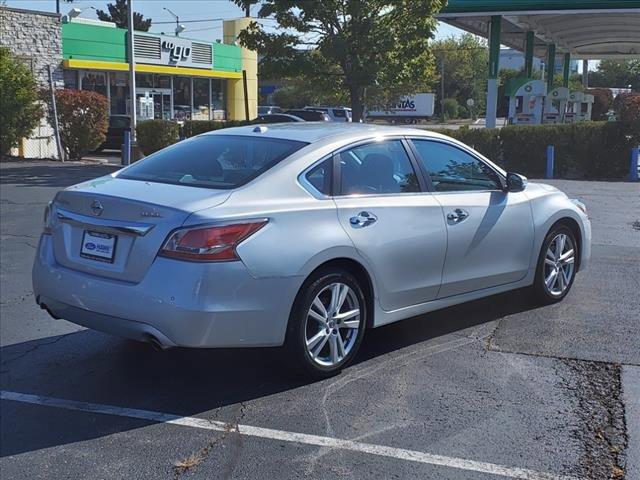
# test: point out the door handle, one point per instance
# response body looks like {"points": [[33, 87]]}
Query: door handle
{"points": [[457, 215], [363, 219]]}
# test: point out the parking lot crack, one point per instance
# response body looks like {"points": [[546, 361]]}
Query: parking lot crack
{"points": [[190, 462], [34, 348]]}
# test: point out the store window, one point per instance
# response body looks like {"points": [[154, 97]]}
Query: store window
{"points": [[162, 81], [144, 80], [95, 82], [71, 79], [201, 103], [182, 98], [218, 99], [119, 90]]}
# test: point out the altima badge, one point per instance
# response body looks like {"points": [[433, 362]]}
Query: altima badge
{"points": [[150, 214]]}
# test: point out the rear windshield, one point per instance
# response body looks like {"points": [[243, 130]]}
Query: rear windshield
{"points": [[213, 161], [339, 113]]}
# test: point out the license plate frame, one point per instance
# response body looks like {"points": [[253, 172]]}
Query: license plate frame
{"points": [[98, 246]]}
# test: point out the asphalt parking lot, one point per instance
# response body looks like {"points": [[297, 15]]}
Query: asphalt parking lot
{"points": [[495, 388]]}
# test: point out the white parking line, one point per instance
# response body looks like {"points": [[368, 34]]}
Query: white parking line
{"points": [[320, 441]]}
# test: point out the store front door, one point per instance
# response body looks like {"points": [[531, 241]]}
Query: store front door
{"points": [[153, 104]]}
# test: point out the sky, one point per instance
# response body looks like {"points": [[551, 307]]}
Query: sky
{"points": [[187, 10]]}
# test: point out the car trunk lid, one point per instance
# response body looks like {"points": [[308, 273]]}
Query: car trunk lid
{"points": [[112, 227]]}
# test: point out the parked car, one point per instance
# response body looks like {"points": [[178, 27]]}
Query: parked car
{"points": [[309, 115], [268, 109], [278, 118], [300, 234], [118, 124], [337, 114]]}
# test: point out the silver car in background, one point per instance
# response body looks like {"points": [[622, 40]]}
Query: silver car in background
{"points": [[304, 235]]}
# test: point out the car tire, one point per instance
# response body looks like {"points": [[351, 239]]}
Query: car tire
{"points": [[557, 265], [323, 339]]}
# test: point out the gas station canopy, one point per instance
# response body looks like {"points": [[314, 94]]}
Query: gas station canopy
{"points": [[578, 29], [588, 29]]}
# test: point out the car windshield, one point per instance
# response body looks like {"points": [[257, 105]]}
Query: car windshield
{"points": [[212, 161]]}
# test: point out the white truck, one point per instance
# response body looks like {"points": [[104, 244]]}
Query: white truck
{"points": [[409, 109]]}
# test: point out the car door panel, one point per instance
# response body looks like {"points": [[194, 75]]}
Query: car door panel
{"points": [[406, 245], [489, 231], [393, 224], [491, 246]]}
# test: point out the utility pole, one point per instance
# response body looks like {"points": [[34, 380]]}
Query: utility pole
{"points": [[132, 71], [442, 87]]}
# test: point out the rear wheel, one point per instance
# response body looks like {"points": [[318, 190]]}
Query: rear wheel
{"points": [[556, 268], [327, 323]]}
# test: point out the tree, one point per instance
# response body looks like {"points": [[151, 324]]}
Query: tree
{"points": [[118, 14], [373, 50], [616, 74], [20, 111], [465, 69], [83, 117]]}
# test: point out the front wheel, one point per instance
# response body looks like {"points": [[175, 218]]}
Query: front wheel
{"points": [[556, 268], [327, 323]]}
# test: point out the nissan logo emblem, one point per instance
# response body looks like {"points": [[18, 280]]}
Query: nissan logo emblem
{"points": [[96, 208]]}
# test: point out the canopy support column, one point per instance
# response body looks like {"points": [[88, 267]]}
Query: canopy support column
{"points": [[528, 54], [566, 70], [551, 65], [494, 67]]}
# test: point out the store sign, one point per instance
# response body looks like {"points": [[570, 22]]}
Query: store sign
{"points": [[174, 51]]}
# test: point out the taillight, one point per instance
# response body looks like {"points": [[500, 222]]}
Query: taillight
{"points": [[209, 244]]}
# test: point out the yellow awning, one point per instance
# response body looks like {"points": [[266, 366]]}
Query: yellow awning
{"points": [[145, 68]]}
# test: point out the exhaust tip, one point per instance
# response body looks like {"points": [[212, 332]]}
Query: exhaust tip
{"points": [[155, 343]]}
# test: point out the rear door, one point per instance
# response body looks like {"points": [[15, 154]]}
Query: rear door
{"points": [[394, 224], [490, 231]]}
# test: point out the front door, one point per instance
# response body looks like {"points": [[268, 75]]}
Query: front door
{"points": [[396, 226], [489, 231]]}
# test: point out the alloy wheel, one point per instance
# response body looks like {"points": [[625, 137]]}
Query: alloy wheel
{"points": [[559, 264], [332, 324]]}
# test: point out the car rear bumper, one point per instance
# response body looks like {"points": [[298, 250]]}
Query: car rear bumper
{"points": [[177, 303]]}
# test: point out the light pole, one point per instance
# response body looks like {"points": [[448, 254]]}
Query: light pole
{"points": [[132, 71], [179, 28]]}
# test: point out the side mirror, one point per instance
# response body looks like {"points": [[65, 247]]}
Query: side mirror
{"points": [[516, 182]]}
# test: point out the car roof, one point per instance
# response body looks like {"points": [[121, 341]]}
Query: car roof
{"points": [[312, 132]]}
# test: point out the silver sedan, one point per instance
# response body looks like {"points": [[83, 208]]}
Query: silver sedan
{"points": [[303, 235]]}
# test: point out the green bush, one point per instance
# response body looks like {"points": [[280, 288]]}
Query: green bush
{"points": [[83, 118], [20, 111], [585, 150], [451, 107], [154, 135], [192, 128]]}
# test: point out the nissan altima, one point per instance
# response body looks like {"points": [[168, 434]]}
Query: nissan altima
{"points": [[304, 235]]}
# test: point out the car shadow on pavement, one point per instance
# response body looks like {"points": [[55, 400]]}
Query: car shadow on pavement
{"points": [[93, 367], [54, 175]]}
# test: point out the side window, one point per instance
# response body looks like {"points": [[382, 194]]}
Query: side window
{"points": [[377, 168], [452, 169], [320, 176]]}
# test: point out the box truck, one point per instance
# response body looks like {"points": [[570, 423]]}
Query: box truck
{"points": [[409, 109]]}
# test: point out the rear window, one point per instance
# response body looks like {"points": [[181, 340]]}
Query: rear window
{"points": [[339, 113], [213, 161]]}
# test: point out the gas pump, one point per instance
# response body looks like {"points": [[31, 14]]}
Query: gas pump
{"points": [[574, 106], [526, 97], [586, 107], [555, 105]]}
